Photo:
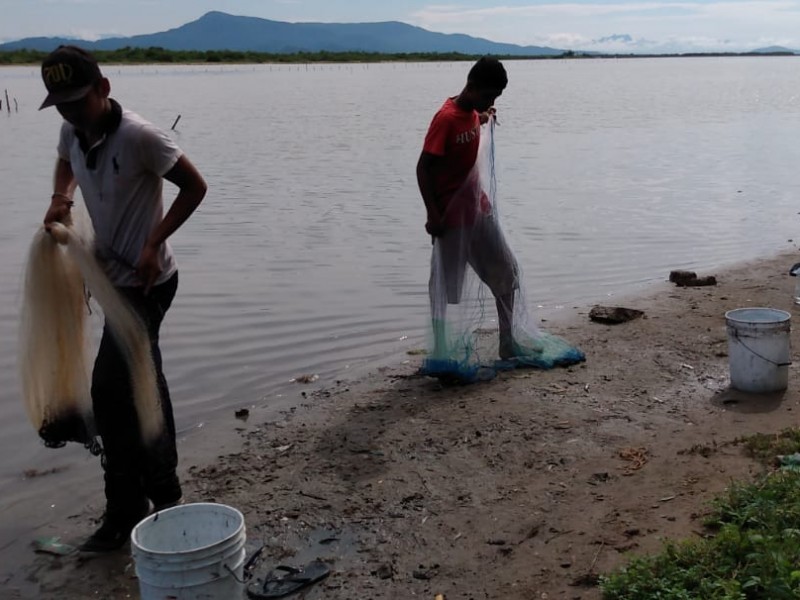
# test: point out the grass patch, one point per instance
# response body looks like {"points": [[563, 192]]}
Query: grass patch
{"points": [[766, 447], [753, 554]]}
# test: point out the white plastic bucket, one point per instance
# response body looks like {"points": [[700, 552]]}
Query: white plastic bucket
{"points": [[190, 552], [759, 349]]}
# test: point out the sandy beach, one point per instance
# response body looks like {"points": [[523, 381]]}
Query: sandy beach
{"points": [[527, 486]]}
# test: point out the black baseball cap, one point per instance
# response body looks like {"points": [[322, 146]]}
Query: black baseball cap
{"points": [[69, 73]]}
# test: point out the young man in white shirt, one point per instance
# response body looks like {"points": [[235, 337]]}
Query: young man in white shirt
{"points": [[119, 161]]}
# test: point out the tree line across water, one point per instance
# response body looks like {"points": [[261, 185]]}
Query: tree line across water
{"points": [[161, 55], [129, 55]]}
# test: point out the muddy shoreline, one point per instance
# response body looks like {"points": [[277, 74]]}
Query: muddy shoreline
{"points": [[527, 486]]}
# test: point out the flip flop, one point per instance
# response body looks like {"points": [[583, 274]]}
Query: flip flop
{"points": [[278, 585]]}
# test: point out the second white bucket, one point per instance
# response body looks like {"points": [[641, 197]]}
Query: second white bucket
{"points": [[190, 552], [759, 349]]}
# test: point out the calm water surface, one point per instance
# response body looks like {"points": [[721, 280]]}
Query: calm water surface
{"points": [[309, 256]]}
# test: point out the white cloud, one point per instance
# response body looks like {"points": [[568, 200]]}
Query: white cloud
{"points": [[84, 34], [563, 40], [653, 25], [728, 25]]}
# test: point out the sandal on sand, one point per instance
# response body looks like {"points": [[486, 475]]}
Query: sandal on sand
{"points": [[277, 585]]}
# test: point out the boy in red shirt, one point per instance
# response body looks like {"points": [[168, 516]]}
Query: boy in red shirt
{"points": [[460, 218]]}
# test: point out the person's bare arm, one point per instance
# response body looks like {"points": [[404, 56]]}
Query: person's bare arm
{"points": [[63, 189], [191, 191], [426, 169]]}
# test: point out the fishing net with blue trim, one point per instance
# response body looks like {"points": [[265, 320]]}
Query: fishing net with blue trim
{"points": [[474, 273]]}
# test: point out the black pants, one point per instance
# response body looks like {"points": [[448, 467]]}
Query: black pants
{"points": [[134, 472]]}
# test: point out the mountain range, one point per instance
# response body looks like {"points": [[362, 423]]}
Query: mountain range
{"points": [[221, 31]]}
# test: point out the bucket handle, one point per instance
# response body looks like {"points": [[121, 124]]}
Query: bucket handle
{"points": [[247, 569], [242, 581], [764, 358]]}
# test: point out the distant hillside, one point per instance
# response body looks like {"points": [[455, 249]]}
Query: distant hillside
{"points": [[221, 31], [773, 50]]}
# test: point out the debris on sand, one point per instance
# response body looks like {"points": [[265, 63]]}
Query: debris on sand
{"points": [[637, 457], [614, 315], [690, 279], [52, 545]]}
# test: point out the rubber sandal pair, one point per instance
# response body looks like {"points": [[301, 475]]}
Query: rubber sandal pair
{"points": [[285, 580]]}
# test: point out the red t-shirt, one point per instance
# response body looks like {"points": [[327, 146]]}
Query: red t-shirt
{"points": [[454, 135]]}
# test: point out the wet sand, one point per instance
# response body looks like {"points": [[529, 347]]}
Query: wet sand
{"points": [[527, 486]]}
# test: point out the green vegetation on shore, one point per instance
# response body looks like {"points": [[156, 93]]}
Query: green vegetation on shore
{"points": [[160, 55], [130, 55], [754, 552]]}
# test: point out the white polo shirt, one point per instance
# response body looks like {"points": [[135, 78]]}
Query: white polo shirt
{"points": [[121, 180]]}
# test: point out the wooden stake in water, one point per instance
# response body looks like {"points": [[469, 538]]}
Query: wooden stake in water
{"points": [[176, 122], [8, 104]]}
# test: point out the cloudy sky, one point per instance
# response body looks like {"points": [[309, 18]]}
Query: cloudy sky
{"points": [[617, 25]]}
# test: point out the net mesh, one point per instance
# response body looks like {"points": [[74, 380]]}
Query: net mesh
{"points": [[480, 323], [53, 341], [53, 352]]}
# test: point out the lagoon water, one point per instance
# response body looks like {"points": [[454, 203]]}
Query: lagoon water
{"points": [[309, 255]]}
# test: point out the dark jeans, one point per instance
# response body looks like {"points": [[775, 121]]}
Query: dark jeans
{"points": [[134, 472]]}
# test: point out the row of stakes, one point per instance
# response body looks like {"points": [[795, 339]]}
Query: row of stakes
{"points": [[8, 104], [16, 108]]}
